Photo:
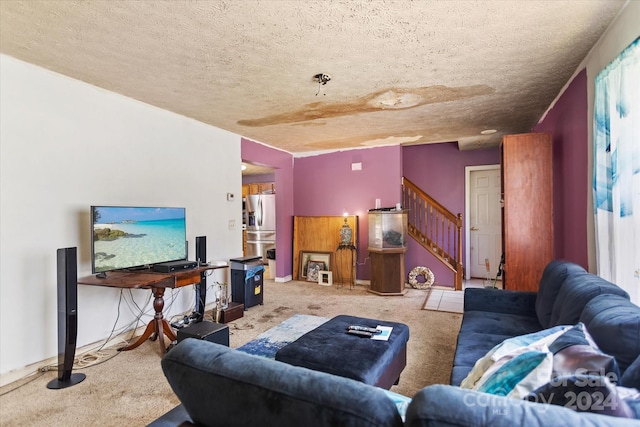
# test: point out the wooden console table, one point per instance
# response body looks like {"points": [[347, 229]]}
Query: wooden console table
{"points": [[158, 327]]}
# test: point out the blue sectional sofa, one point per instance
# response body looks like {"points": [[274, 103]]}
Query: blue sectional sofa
{"points": [[219, 386], [567, 295]]}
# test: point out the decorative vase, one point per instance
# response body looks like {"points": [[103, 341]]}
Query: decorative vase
{"points": [[346, 233]]}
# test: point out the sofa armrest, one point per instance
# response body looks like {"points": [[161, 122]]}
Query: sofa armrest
{"points": [[443, 405], [500, 301], [224, 387]]}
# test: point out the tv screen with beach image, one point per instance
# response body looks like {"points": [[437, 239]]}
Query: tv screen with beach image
{"points": [[126, 237]]}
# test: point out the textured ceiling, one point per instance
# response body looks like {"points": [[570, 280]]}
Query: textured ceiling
{"points": [[402, 72]]}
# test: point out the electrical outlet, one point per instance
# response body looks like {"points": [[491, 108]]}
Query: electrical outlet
{"points": [[232, 224]]}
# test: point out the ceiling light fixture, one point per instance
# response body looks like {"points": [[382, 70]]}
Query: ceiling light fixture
{"points": [[488, 132], [322, 79]]}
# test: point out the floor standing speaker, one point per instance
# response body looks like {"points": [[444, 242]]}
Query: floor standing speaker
{"points": [[201, 288], [201, 249], [67, 318]]}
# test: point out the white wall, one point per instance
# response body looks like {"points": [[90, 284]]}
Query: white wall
{"points": [[65, 145]]}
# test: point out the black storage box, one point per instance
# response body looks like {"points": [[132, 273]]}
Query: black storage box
{"points": [[247, 281], [233, 312], [209, 331]]}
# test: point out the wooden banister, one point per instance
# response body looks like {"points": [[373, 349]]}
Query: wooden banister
{"points": [[434, 227]]}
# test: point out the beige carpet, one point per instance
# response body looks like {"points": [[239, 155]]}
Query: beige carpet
{"points": [[130, 389]]}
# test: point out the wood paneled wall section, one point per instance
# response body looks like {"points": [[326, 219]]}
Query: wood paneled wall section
{"points": [[527, 212], [319, 234]]}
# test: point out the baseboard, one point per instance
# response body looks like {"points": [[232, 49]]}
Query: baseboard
{"points": [[363, 282], [52, 362], [284, 279]]}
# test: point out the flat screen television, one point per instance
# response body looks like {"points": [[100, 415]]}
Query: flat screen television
{"points": [[124, 237]]}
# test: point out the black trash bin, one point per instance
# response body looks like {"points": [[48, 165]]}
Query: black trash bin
{"points": [[247, 281]]}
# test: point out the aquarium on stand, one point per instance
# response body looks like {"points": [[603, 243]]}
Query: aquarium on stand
{"points": [[387, 246]]}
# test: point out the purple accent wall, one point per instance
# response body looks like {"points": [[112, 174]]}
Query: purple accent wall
{"points": [[326, 185], [439, 169], [260, 154], [568, 123]]}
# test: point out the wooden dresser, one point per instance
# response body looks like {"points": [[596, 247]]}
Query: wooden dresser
{"points": [[527, 208]]}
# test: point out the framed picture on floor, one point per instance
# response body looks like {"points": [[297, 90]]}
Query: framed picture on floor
{"points": [[318, 258], [313, 270]]}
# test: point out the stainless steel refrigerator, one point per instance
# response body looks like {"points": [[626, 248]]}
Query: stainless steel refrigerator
{"points": [[261, 224]]}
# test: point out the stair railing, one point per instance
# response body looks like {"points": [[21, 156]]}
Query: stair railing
{"points": [[435, 228]]}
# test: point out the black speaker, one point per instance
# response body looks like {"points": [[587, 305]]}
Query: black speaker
{"points": [[67, 318], [201, 249], [201, 288]]}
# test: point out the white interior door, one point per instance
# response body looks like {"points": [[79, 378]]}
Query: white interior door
{"points": [[485, 224]]}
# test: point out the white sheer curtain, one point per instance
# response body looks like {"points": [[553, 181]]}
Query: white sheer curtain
{"points": [[616, 178]]}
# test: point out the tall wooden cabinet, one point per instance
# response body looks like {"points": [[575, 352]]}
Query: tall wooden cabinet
{"points": [[527, 209]]}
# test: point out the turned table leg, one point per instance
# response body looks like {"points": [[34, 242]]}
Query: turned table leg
{"points": [[158, 327]]}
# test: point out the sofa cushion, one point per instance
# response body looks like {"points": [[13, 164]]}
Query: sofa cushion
{"points": [[210, 379], [555, 273], [498, 323], [474, 345], [574, 294], [501, 301], [614, 323]]}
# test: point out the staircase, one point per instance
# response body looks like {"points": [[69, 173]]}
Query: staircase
{"points": [[435, 228]]}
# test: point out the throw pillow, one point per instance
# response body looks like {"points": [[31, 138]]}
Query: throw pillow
{"points": [[575, 352], [585, 393], [545, 336], [518, 373], [584, 377]]}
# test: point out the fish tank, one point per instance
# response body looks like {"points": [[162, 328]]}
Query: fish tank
{"points": [[387, 229]]}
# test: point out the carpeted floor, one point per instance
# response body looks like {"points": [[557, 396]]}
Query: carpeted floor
{"points": [[130, 389]]}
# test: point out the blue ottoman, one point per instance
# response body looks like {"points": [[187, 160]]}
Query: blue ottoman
{"points": [[328, 348]]}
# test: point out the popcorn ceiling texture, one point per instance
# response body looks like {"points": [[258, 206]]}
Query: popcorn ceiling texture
{"points": [[402, 71]]}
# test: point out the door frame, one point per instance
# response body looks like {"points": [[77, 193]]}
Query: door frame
{"points": [[467, 195]]}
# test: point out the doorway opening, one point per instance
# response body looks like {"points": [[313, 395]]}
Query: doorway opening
{"points": [[483, 222]]}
